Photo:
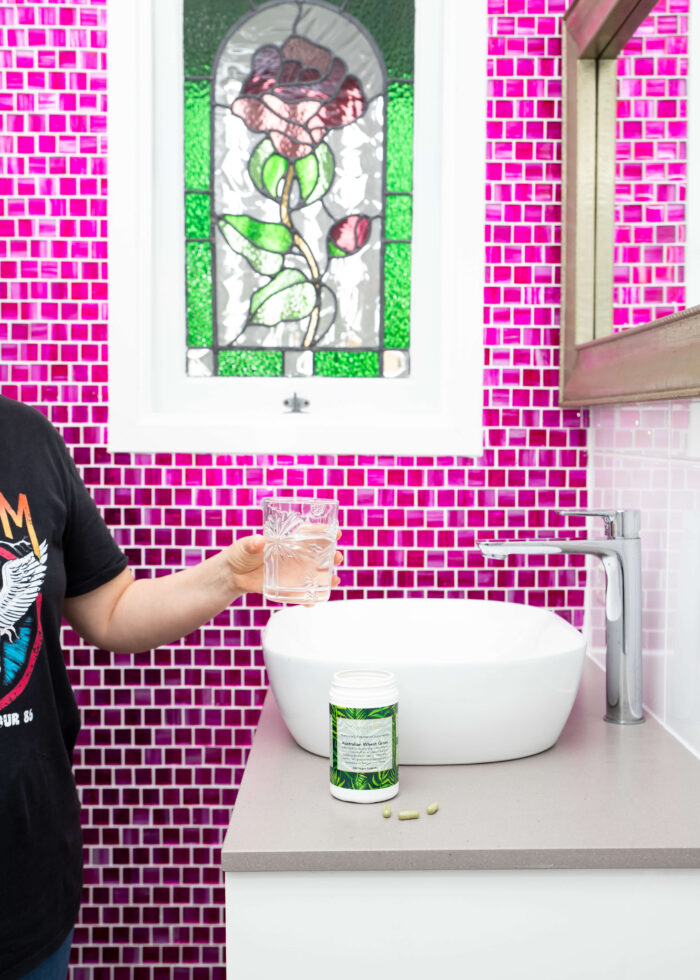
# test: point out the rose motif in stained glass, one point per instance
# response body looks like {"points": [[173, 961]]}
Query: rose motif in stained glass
{"points": [[348, 235], [296, 94], [298, 125]]}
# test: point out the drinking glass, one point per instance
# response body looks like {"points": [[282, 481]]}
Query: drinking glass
{"points": [[300, 542]]}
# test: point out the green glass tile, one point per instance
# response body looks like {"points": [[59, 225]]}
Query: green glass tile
{"points": [[205, 23], [197, 136], [398, 216], [397, 295], [391, 23], [399, 137], [346, 363], [197, 220], [250, 363], [199, 307]]}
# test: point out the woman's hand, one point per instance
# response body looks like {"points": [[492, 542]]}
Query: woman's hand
{"points": [[245, 557], [128, 615]]}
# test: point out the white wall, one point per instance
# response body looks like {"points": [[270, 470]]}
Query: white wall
{"points": [[648, 456]]}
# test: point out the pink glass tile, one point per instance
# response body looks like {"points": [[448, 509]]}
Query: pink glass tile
{"points": [[651, 131], [166, 734]]}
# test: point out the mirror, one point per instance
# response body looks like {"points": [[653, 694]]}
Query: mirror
{"points": [[660, 357], [651, 173]]}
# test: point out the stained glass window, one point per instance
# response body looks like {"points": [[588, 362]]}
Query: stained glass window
{"points": [[298, 187]]}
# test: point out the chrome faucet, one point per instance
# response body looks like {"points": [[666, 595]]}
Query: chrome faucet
{"points": [[621, 555]]}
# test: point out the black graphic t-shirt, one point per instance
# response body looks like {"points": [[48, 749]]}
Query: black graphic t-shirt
{"points": [[53, 544]]}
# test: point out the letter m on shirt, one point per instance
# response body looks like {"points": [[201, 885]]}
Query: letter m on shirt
{"points": [[20, 517]]}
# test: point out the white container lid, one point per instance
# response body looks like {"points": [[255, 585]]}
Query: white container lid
{"points": [[364, 687]]}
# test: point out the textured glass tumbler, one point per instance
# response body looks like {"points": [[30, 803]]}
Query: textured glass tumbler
{"points": [[300, 542]]}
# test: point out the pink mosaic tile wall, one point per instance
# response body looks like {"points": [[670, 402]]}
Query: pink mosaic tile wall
{"points": [[166, 734], [649, 275]]}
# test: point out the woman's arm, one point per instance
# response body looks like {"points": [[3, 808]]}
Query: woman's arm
{"points": [[128, 615]]}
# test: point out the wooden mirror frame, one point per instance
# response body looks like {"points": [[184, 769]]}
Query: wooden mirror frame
{"points": [[661, 359]]}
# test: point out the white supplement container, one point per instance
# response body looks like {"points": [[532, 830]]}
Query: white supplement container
{"points": [[363, 735]]}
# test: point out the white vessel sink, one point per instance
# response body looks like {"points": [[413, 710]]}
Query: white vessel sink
{"points": [[478, 681]]}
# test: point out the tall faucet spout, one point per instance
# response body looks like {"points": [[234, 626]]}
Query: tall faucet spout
{"points": [[621, 558], [501, 549]]}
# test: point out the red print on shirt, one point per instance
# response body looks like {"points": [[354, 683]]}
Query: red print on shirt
{"points": [[22, 572]]}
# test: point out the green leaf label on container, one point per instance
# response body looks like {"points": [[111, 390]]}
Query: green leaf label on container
{"points": [[363, 747]]}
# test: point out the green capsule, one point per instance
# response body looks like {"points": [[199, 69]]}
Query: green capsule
{"points": [[386, 812], [408, 814], [432, 808]]}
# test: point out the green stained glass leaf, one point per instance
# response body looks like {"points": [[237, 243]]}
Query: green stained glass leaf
{"points": [[250, 363], [290, 296], [197, 135], [197, 215], [397, 295], [265, 234], [346, 364], [307, 174], [273, 173], [266, 262], [267, 169], [399, 137], [336, 252], [259, 157], [315, 173]]}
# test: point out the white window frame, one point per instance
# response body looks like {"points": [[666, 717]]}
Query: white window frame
{"points": [[153, 406]]}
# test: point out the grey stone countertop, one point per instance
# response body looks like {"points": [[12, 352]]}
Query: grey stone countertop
{"points": [[605, 796]]}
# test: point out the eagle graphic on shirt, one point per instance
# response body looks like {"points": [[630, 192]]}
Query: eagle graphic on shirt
{"points": [[22, 575]]}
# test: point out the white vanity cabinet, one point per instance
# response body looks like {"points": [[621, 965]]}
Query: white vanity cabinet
{"points": [[581, 861]]}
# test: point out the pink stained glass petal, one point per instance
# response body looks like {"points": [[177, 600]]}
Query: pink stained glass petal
{"points": [[288, 147], [259, 117], [251, 111], [266, 65], [328, 88], [296, 112], [266, 60], [348, 105], [343, 234], [309, 75], [309, 54], [289, 72], [362, 231], [257, 84], [322, 90], [350, 233]]}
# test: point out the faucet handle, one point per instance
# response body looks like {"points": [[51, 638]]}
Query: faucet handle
{"points": [[618, 523]]}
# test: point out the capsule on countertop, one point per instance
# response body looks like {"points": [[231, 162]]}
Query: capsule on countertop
{"points": [[386, 812], [408, 814], [432, 808]]}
